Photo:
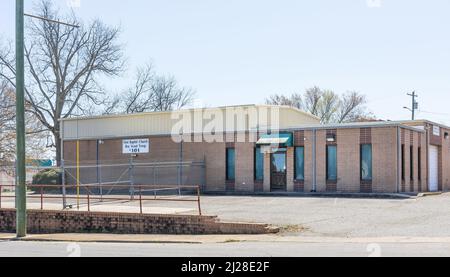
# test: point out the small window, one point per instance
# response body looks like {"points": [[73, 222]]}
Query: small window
{"points": [[259, 164], [419, 164], [403, 162], [366, 162], [300, 163], [230, 164], [331, 163], [411, 162]]}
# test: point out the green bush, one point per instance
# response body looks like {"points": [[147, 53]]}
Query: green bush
{"points": [[47, 177]]}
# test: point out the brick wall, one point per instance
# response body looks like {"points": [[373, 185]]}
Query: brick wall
{"points": [[321, 161], [348, 160], [384, 149], [308, 184], [446, 161], [82, 222], [423, 184], [245, 153], [290, 168]]}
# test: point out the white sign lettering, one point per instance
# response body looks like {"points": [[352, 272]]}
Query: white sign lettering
{"points": [[436, 131], [135, 146]]}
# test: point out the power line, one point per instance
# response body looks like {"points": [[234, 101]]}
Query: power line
{"points": [[434, 113], [51, 20]]}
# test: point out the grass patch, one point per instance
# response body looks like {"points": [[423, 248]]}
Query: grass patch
{"points": [[293, 229]]}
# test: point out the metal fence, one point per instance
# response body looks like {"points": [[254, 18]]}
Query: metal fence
{"points": [[85, 199], [111, 176], [95, 180]]}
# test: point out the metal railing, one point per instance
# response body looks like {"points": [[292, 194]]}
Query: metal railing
{"points": [[142, 194]]}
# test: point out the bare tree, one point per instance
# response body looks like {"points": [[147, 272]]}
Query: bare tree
{"points": [[312, 100], [327, 105], [7, 128], [295, 100], [352, 108], [151, 93], [35, 135], [63, 66]]}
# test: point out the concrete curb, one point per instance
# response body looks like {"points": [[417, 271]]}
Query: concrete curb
{"points": [[425, 194]]}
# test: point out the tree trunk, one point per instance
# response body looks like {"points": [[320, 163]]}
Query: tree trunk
{"points": [[58, 147]]}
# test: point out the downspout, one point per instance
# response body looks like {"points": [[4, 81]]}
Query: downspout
{"points": [[314, 162]]}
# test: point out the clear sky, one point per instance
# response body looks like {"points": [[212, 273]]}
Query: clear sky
{"points": [[241, 51]]}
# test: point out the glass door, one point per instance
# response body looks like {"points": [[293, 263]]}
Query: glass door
{"points": [[278, 177]]}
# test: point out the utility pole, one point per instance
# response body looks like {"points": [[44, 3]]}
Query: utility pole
{"points": [[21, 189], [414, 105]]}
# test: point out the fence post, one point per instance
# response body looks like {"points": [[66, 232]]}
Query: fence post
{"points": [[88, 200], [198, 200], [63, 181], [42, 198], [131, 173], [15, 181], [140, 198]]}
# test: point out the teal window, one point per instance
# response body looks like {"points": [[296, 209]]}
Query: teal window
{"points": [[300, 163], [259, 164], [231, 169], [366, 162], [331, 163]]}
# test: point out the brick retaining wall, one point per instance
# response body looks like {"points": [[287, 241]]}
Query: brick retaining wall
{"points": [[47, 222]]}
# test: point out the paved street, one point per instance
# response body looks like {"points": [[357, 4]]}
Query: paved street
{"points": [[311, 227], [246, 249]]}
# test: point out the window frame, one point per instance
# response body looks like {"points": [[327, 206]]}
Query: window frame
{"points": [[296, 162], [255, 175], [361, 162], [411, 162], [328, 165], [419, 164], [227, 160], [403, 163]]}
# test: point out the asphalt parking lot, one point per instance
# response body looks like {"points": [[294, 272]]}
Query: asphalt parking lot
{"points": [[340, 217]]}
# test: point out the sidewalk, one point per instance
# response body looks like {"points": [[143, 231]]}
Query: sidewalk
{"points": [[205, 239]]}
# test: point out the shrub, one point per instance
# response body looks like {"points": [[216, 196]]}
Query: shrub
{"points": [[47, 177]]}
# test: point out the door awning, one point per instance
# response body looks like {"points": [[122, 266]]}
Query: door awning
{"points": [[280, 140]]}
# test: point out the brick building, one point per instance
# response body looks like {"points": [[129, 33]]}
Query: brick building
{"points": [[264, 149]]}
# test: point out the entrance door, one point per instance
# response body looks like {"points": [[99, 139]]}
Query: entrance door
{"points": [[434, 169], [278, 178]]}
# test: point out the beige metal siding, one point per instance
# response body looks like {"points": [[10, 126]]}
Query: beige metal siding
{"points": [[161, 123], [291, 118]]}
